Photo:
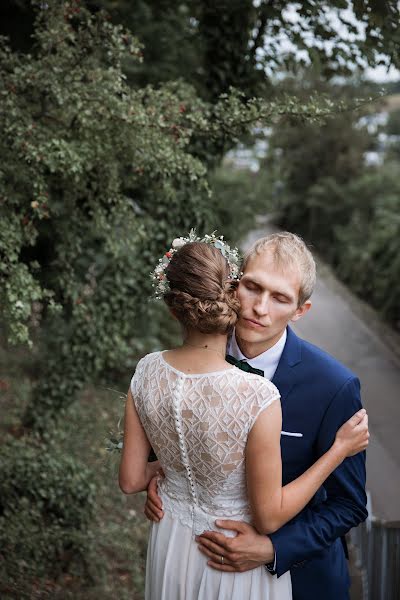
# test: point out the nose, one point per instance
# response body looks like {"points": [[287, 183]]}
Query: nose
{"points": [[261, 307]]}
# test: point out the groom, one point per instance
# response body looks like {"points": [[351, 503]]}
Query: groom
{"points": [[318, 395]]}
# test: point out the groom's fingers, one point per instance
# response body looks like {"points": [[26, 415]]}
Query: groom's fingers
{"points": [[210, 546], [219, 567], [229, 566], [215, 560], [152, 493], [152, 513], [219, 540], [153, 509], [153, 506], [239, 526], [247, 566]]}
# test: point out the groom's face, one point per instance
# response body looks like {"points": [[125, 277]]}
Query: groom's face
{"points": [[269, 296]]}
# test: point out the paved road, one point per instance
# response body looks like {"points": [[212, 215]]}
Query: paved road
{"points": [[335, 324]]}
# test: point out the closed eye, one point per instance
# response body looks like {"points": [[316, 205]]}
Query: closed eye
{"points": [[281, 299], [251, 286]]}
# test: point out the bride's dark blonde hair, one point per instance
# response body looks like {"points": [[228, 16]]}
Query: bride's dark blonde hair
{"points": [[201, 296]]}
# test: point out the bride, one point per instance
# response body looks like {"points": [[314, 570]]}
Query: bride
{"points": [[216, 432]]}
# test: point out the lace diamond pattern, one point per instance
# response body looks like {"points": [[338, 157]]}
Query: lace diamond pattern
{"points": [[198, 427]]}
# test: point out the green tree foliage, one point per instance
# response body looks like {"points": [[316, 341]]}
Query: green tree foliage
{"points": [[240, 195], [215, 44], [367, 246], [313, 163], [97, 177], [89, 169], [392, 130], [105, 158], [393, 124], [345, 207]]}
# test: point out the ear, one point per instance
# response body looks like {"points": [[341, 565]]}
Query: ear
{"points": [[302, 310]]}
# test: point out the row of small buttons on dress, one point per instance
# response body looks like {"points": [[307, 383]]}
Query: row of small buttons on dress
{"points": [[176, 402]]}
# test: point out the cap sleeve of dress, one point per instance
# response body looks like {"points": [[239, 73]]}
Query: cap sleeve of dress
{"points": [[137, 376], [265, 393]]}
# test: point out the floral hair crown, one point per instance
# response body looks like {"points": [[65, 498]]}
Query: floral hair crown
{"points": [[160, 281]]}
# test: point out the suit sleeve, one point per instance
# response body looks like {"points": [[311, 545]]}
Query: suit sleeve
{"points": [[317, 527]]}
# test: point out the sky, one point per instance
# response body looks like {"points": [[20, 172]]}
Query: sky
{"points": [[379, 74]]}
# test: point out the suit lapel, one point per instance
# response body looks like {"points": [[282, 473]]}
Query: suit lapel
{"points": [[284, 377]]}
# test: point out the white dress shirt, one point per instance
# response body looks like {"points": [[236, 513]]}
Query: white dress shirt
{"points": [[267, 361]]}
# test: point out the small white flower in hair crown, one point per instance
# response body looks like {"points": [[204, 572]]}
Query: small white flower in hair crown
{"points": [[160, 281]]}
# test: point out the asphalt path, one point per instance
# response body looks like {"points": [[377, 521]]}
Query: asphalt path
{"points": [[353, 333]]}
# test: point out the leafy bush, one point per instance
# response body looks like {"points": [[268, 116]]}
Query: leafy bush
{"points": [[94, 179], [367, 247], [46, 505]]}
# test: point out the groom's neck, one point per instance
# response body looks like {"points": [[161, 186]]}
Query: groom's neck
{"points": [[253, 349]]}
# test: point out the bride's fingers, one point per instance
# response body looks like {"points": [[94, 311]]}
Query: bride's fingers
{"points": [[357, 417], [362, 425]]}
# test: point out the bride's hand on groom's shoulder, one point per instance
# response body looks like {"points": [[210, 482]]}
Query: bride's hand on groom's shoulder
{"points": [[246, 551], [353, 436], [153, 505]]}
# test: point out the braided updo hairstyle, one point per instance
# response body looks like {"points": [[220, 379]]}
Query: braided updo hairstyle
{"points": [[201, 296]]}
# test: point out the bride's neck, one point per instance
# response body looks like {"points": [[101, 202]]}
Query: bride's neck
{"points": [[212, 341]]}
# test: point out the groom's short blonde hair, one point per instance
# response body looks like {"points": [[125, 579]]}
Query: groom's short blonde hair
{"points": [[288, 250]]}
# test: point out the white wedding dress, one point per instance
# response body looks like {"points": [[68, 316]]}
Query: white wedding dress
{"points": [[198, 426]]}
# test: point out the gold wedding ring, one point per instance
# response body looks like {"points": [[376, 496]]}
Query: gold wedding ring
{"points": [[222, 560]]}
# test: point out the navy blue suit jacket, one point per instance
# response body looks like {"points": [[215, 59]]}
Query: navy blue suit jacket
{"points": [[318, 394]]}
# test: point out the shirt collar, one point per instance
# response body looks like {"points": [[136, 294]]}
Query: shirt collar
{"points": [[262, 361]]}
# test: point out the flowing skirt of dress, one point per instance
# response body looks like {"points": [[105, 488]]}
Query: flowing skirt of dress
{"points": [[177, 570]]}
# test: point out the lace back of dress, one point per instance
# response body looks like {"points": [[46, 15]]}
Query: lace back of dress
{"points": [[198, 427]]}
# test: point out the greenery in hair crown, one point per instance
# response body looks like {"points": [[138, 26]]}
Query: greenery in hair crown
{"points": [[160, 280]]}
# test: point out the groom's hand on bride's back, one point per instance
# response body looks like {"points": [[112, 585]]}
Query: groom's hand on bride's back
{"points": [[153, 506], [244, 552]]}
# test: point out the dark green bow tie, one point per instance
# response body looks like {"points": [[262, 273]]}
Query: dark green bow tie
{"points": [[243, 365]]}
